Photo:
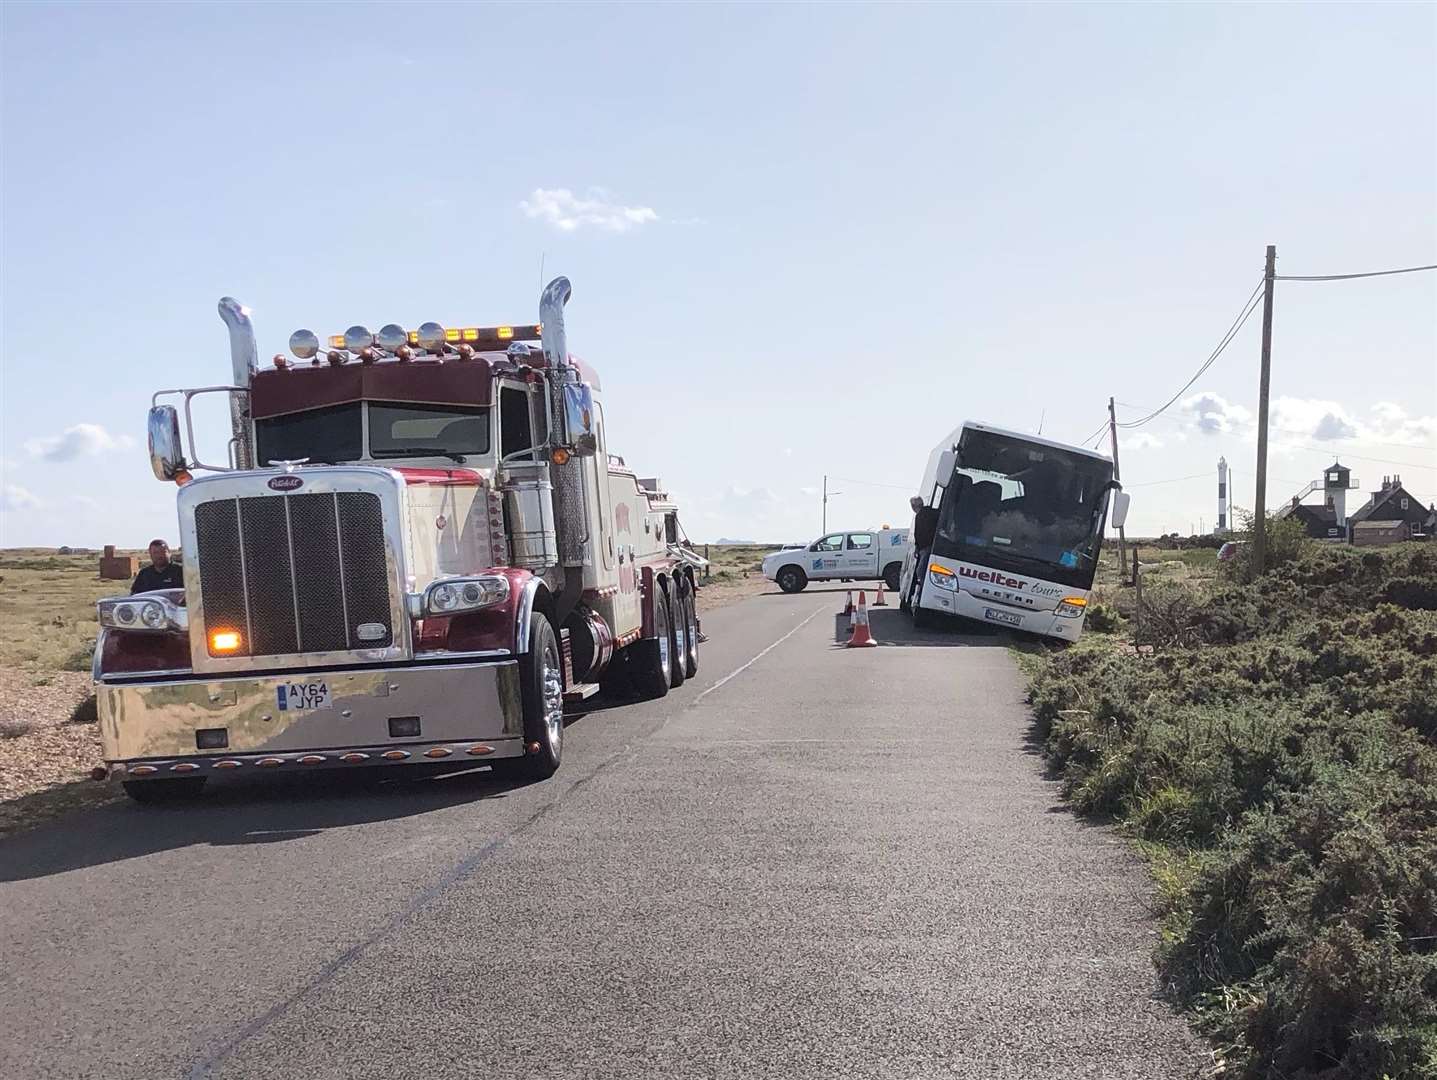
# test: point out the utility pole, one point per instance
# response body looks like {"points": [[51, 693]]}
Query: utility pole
{"points": [[1117, 475], [826, 494], [1259, 507]]}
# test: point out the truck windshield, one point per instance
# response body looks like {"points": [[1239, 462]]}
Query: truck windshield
{"points": [[332, 434], [417, 430], [1025, 507]]}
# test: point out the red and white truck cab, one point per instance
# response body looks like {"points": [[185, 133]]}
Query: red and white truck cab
{"points": [[420, 547]]}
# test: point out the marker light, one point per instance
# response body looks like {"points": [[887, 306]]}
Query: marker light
{"points": [[182, 477], [223, 641], [430, 337], [505, 333], [559, 456], [304, 344], [1071, 607], [357, 338], [391, 337]]}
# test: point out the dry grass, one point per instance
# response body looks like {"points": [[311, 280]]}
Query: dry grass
{"points": [[735, 573], [48, 736]]}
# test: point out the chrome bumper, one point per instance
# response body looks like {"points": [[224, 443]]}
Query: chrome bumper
{"points": [[459, 707]]}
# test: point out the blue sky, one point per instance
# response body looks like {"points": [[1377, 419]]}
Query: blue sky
{"points": [[803, 239]]}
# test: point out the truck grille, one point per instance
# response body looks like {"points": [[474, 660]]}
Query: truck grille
{"points": [[294, 573]]}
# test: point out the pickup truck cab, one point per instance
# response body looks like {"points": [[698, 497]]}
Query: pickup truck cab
{"points": [[860, 555]]}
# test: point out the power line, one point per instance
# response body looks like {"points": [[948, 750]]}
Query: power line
{"points": [[1349, 277], [1359, 457], [1175, 479], [868, 483], [1248, 307]]}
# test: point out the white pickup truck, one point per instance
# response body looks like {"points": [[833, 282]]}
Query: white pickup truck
{"points": [[861, 555]]}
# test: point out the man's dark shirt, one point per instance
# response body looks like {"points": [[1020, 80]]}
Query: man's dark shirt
{"points": [[149, 579], [925, 526]]}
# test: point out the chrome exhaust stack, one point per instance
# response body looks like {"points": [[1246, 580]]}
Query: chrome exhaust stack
{"points": [[567, 479], [244, 361]]}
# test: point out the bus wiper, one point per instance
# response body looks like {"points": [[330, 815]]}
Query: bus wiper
{"points": [[428, 451]]}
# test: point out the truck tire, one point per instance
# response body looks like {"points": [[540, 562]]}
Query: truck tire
{"points": [[541, 695], [651, 659], [690, 616], [892, 574], [678, 636], [162, 791], [792, 579]]}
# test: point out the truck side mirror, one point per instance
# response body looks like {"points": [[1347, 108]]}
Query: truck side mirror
{"points": [[1121, 499], [167, 452], [946, 463], [579, 430]]}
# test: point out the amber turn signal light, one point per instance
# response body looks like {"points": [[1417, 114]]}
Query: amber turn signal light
{"points": [[223, 641]]}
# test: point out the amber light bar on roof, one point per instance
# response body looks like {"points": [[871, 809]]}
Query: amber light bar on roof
{"points": [[470, 335]]}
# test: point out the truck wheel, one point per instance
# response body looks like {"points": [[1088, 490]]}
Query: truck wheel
{"points": [[541, 695], [690, 616], [162, 791], [678, 636], [892, 573], [651, 660], [792, 579]]}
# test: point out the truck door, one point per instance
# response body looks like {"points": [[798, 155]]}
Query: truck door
{"points": [[825, 557], [860, 556]]}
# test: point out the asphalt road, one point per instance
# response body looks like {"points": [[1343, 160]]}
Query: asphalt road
{"points": [[807, 862]]}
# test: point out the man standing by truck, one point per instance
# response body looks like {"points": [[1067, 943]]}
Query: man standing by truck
{"points": [[161, 573]]}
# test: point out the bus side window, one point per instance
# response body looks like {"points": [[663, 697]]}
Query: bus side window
{"points": [[515, 432]]}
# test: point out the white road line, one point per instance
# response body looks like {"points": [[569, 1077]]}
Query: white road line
{"points": [[740, 670]]}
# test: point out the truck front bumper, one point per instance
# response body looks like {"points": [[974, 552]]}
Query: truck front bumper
{"points": [[394, 715]]}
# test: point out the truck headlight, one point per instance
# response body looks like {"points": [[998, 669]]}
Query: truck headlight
{"points": [[154, 614], [453, 595], [943, 578], [1071, 607]]}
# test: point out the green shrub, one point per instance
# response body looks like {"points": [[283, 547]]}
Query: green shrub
{"points": [[1277, 754]]}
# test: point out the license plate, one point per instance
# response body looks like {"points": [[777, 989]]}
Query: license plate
{"points": [[303, 696], [1008, 618]]}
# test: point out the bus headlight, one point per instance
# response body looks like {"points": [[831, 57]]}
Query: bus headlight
{"points": [[1071, 607], [943, 578]]}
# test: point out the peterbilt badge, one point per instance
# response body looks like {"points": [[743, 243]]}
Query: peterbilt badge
{"points": [[287, 482]]}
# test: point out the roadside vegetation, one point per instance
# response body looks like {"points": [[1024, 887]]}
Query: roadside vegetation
{"points": [[1271, 745]]}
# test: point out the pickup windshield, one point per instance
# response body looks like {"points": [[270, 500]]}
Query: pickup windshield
{"points": [[1024, 507]]}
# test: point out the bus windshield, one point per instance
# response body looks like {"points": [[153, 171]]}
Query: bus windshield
{"points": [[1024, 506]]}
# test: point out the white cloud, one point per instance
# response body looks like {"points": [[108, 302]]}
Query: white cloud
{"points": [[76, 441], [568, 212], [1305, 419], [1213, 414], [1313, 418], [15, 498], [1141, 441]]}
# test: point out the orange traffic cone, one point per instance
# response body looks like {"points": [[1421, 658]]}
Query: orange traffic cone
{"points": [[878, 600], [848, 604], [861, 638]]}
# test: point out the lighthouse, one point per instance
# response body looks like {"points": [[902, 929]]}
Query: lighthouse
{"points": [[1222, 499]]}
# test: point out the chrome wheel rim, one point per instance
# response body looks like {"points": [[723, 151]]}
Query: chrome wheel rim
{"points": [[553, 696]]}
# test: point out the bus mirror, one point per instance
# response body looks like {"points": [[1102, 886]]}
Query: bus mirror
{"points": [[946, 463], [166, 451], [1121, 499], [579, 430]]}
